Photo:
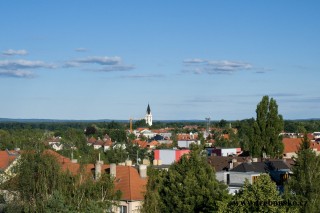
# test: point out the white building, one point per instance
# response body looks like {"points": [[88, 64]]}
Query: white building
{"points": [[148, 116]]}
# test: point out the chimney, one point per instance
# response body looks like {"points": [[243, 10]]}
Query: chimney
{"points": [[128, 162], [155, 162], [230, 165], [146, 162], [233, 163], [113, 170], [143, 171], [98, 169]]}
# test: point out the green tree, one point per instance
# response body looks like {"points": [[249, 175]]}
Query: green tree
{"points": [[152, 200], [261, 196], [267, 127], [190, 186], [43, 187], [304, 184]]}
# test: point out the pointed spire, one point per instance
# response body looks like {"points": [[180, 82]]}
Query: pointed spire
{"points": [[148, 109]]}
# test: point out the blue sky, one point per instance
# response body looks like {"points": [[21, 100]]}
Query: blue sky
{"points": [[188, 59]]}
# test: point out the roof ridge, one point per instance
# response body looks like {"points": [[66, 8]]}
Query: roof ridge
{"points": [[130, 190]]}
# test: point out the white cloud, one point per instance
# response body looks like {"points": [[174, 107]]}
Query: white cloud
{"points": [[200, 66], [16, 73], [23, 64], [143, 76], [194, 61], [11, 52], [116, 68], [20, 68], [99, 64], [102, 60]]}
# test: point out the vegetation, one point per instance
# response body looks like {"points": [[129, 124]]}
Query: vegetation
{"points": [[261, 196], [304, 184], [188, 186], [41, 186]]}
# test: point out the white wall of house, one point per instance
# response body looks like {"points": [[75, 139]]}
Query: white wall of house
{"points": [[131, 206]]}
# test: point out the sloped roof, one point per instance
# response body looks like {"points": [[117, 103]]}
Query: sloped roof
{"points": [[293, 145], [221, 163], [6, 158], [92, 140], [260, 166], [127, 180]]}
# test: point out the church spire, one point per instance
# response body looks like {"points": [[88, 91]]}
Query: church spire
{"points": [[148, 109]]}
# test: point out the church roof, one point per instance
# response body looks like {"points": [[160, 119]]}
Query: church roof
{"points": [[148, 109]]}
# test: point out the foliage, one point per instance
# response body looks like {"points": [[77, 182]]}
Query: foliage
{"points": [[189, 186], [266, 130], [43, 187], [261, 196], [304, 184], [152, 199]]}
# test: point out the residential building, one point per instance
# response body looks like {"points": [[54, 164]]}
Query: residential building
{"points": [[7, 161], [169, 156]]}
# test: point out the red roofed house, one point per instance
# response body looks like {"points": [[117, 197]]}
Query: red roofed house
{"points": [[131, 182], [291, 147], [7, 160]]}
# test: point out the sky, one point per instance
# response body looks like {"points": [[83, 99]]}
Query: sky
{"points": [[107, 59]]}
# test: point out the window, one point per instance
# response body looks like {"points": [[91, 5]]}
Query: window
{"points": [[123, 209]]}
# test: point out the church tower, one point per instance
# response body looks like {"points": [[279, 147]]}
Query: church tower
{"points": [[148, 116]]}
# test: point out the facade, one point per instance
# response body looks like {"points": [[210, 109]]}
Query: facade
{"points": [[225, 151], [187, 143], [169, 156], [277, 169], [148, 116]]}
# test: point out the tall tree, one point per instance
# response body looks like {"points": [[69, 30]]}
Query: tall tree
{"points": [[304, 184], [267, 127]]}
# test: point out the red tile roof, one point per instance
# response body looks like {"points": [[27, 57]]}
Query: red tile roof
{"points": [[293, 144], [92, 140], [127, 180], [184, 136], [6, 159]]}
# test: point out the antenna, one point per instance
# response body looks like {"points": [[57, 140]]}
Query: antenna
{"points": [[208, 124]]}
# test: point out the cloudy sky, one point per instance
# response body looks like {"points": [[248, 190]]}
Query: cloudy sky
{"points": [[189, 59]]}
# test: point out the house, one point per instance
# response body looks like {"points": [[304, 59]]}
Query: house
{"points": [[7, 161], [55, 143], [147, 133], [169, 156], [98, 144], [291, 147], [187, 143], [190, 136], [224, 151], [129, 180], [145, 144], [278, 170], [91, 141]]}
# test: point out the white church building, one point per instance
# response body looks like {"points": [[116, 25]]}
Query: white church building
{"points": [[148, 116]]}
